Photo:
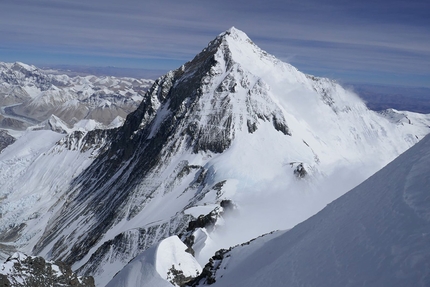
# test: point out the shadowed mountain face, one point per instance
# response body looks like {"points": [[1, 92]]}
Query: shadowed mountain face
{"points": [[234, 125]]}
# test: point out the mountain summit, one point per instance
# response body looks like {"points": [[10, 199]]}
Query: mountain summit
{"points": [[234, 131]]}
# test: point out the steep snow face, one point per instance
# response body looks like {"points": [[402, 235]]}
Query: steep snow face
{"points": [[233, 124], [42, 94], [165, 264], [375, 235]]}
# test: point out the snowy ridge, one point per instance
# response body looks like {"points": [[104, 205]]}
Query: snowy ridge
{"points": [[166, 264], [233, 124], [375, 235]]}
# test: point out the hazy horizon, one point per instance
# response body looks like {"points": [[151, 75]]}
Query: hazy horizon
{"points": [[374, 42]]}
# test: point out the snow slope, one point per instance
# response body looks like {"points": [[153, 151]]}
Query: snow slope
{"points": [[378, 234]]}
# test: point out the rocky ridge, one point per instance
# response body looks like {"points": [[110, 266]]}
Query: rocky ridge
{"points": [[21, 270]]}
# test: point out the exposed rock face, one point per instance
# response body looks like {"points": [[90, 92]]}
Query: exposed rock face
{"points": [[97, 140], [300, 171], [9, 123], [5, 140], [208, 275], [20, 270], [177, 277]]}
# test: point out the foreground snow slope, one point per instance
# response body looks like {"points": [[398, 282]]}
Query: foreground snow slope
{"points": [[378, 234]]}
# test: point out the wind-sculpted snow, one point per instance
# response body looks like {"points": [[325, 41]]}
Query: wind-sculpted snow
{"points": [[234, 124], [375, 235]]}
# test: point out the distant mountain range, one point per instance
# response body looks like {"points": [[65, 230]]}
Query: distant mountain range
{"points": [[29, 95], [75, 70]]}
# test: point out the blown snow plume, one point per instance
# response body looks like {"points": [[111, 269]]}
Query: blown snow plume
{"points": [[236, 125]]}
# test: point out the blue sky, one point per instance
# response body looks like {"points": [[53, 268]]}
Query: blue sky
{"points": [[385, 42]]}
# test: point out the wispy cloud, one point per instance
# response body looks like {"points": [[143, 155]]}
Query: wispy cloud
{"points": [[380, 36]]}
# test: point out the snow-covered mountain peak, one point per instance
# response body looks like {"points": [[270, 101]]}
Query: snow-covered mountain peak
{"points": [[19, 66], [235, 125], [239, 48], [235, 35], [238, 33]]}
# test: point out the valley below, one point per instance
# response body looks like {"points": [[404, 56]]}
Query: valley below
{"points": [[8, 112]]}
